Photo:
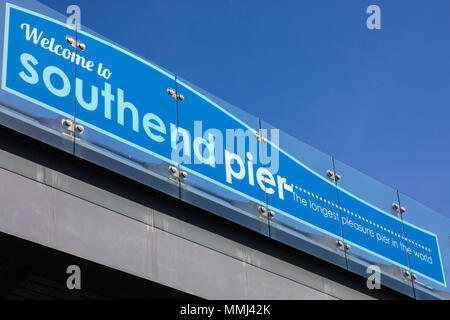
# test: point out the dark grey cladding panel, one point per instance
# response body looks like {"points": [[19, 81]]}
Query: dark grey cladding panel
{"points": [[26, 208], [62, 221], [49, 199], [76, 187]]}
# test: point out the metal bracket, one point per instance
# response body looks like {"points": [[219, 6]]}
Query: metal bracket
{"points": [[261, 138], [68, 124], [177, 173], [398, 209], [343, 246], [174, 171], [263, 211], [174, 94], [333, 176], [71, 126], [81, 46], [80, 128], [76, 44], [409, 275]]}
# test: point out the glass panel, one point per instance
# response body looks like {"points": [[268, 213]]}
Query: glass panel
{"points": [[37, 87], [301, 197], [124, 113], [428, 245], [372, 227], [218, 151]]}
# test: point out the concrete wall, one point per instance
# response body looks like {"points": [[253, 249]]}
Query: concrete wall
{"points": [[56, 200]]}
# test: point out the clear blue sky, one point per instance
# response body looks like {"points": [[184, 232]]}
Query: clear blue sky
{"points": [[378, 100]]}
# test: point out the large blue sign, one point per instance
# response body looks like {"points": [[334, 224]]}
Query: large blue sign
{"points": [[148, 118]]}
